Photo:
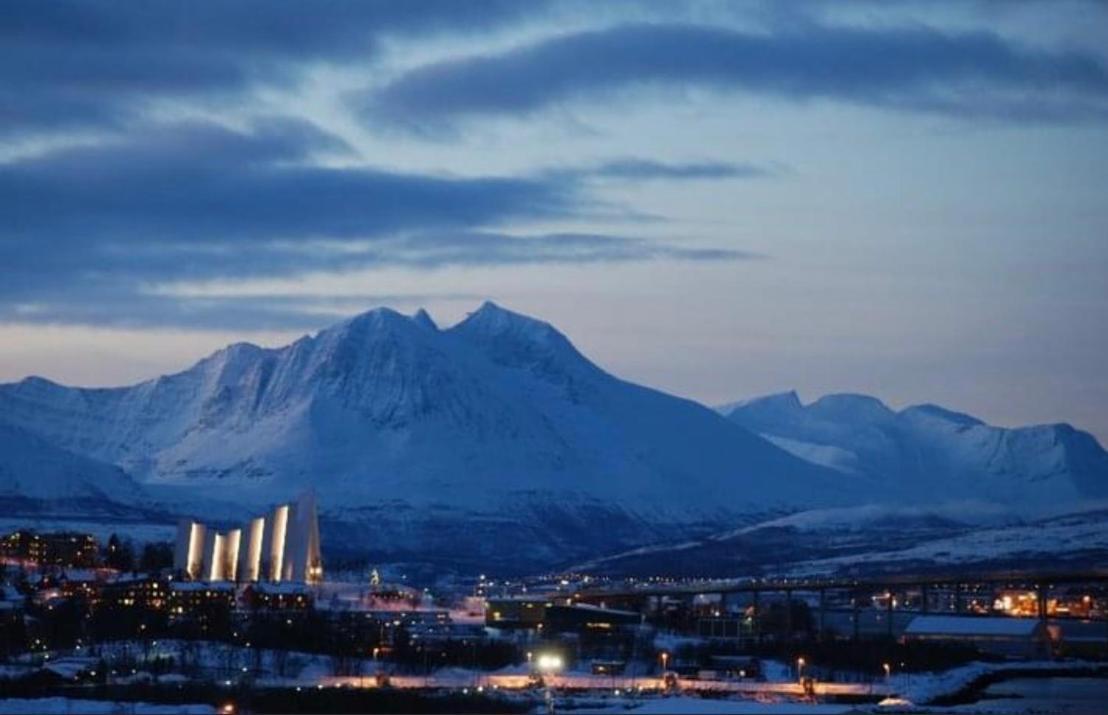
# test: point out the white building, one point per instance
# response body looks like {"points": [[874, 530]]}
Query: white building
{"points": [[281, 545]]}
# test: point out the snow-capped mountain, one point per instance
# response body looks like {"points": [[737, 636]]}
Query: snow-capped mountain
{"points": [[495, 444], [34, 471], [394, 421], [926, 452]]}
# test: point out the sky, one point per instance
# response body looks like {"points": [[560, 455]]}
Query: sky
{"points": [[717, 199]]}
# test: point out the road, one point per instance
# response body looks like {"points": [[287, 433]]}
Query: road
{"points": [[584, 681]]}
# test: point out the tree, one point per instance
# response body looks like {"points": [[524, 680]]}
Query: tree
{"points": [[119, 554], [156, 556]]}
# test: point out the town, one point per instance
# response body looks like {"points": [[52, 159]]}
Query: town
{"points": [[244, 623]]}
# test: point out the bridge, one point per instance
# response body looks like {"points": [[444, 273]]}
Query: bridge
{"points": [[932, 592]]}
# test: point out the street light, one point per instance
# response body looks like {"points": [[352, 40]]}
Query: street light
{"points": [[549, 664], [888, 671], [665, 659], [800, 668]]}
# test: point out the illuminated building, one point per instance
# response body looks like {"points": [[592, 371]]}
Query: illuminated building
{"points": [[279, 596], [281, 545], [144, 593], [65, 549]]}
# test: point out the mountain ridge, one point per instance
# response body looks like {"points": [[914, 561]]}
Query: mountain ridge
{"points": [[934, 446], [393, 405], [496, 442]]}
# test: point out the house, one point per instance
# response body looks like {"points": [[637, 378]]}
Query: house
{"points": [[279, 596]]}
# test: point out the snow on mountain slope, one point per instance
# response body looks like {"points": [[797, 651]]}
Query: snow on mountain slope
{"points": [[926, 452], [874, 538], [32, 469], [498, 409]]}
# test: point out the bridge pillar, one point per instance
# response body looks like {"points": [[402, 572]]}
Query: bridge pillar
{"points": [[855, 613], [757, 613], [1041, 593], [889, 597], [788, 616], [822, 613]]}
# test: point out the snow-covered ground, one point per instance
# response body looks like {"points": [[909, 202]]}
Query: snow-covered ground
{"points": [[924, 689], [139, 532], [686, 705], [1062, 535], [72, 706]]}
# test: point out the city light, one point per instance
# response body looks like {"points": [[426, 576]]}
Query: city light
{"points": [[549, 662]]}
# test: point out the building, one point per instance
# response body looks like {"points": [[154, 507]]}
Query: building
{"points": [[64, 548], [281, 545], [516, 611], [996, 635], [205, 606], [584, 616], [139, 592], [279, 596]]}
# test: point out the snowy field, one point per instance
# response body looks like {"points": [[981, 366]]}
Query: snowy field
{"points": [[685, 705], [1062, 535], [139, 532], [71, 706]]}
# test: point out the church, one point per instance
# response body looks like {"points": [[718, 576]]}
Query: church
{"points": [[280, 545]]}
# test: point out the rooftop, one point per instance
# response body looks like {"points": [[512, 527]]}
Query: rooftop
{"points": [[971, 626]]}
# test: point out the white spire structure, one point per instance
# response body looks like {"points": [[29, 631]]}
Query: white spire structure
{"points": [[282, 545]]}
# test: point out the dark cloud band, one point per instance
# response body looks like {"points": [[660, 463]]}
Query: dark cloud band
{"points": [[89, 230], [96, 62], [910, 68]]}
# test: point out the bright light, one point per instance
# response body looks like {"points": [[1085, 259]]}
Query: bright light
{"points": [[227, 709], [549, 662]]}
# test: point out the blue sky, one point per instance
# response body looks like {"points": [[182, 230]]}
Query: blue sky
{"points": [[718, 199]]}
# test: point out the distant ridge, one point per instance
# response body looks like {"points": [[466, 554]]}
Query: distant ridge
{"points": [[926, 450]]}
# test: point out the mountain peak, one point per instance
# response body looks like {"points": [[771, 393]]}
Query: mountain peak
{"points": [[788, 400], [490, 320], [852, 405], [516, 340], [942, 413], [422, 317], [370, 325]]}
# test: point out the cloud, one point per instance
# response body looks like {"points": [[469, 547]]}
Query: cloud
{"points": [[202, 183], [69, 64], [647, 169], [215, 312], [911, 68], [91, 232]]}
